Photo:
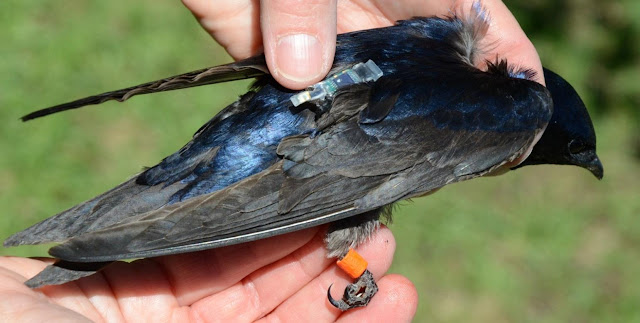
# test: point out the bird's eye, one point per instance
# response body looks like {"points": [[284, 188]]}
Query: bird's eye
{"points": [[577, 146]]}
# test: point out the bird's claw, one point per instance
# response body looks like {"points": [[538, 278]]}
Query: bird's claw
{"points": [[357, 294]]}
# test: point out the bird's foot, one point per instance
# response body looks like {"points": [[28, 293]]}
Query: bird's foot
{"points": [[357, 294], [362, 290]]}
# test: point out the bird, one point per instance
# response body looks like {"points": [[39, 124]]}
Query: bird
{"points": [[405, 110]]}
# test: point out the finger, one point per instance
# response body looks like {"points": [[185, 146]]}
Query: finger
{"points": [[196, 275], [311, 301], [396, 301], [21, 304], [15, 271], [233, 24], [511, 43], [505, 38], [264, 289], [299, 39], [98, 291], [25, 267], [90, 296], [161, 287], [158, 288], [72, 297], [359, 15]]}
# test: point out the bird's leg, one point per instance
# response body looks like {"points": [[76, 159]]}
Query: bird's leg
{"points": [[343, 236], [362, 290]]}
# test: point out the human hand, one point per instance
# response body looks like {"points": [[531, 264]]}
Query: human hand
{"points": [[298, 37], [282, 278]]}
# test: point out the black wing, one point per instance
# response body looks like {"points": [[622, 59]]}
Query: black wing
{"points": [[248, 68], [350, 168]]}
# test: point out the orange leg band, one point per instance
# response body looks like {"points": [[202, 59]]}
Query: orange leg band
{"points": [[353, 264]]}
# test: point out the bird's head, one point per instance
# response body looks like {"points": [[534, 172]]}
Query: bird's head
{"points": [[569, 138]]}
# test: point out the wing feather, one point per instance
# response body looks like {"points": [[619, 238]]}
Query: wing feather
{"points": [[265, 204], [248, 68]]}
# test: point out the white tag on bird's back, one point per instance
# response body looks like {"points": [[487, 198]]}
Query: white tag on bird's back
{"points": [[359, 73]]}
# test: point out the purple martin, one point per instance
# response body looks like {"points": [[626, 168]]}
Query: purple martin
{"points": [[341, 152]]}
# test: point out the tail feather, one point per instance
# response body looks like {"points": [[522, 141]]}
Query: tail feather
{"points": [[63, 271]]}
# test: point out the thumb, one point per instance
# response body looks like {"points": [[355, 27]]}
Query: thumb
{"points": [[299, 39]]}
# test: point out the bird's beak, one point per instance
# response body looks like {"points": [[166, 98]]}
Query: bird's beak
{"points": [[595, 167]]}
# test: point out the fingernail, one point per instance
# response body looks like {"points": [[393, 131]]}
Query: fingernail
{"points": [[299, 57]]}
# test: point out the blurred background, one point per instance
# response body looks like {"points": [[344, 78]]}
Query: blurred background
{"points": [[544, 244]]}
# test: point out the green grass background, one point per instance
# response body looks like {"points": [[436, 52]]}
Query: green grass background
{"points": [[543, 244]]}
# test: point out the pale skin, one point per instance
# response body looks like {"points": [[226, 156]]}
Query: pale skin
{"points": [[283, 278], [278, 279]]}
